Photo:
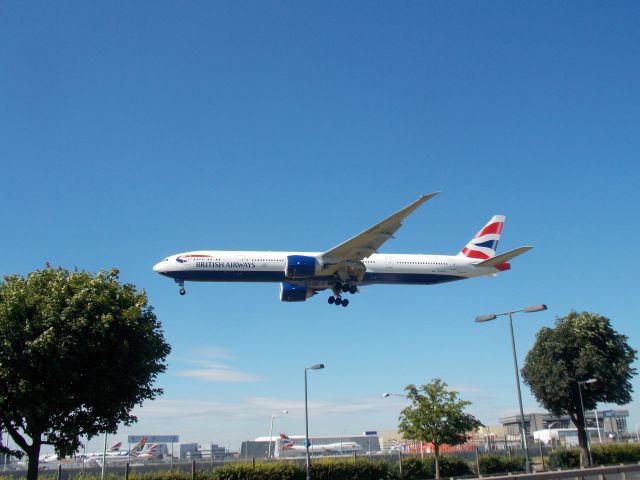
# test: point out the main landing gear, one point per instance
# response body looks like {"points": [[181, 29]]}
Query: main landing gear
{"points": [[180, 282], [338, 300], [338, 289]]}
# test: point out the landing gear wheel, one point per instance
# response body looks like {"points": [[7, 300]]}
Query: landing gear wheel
{"points": [[345, 288], [345, 302], [353, 289], [337, 287], [182, 291], [339, 301], [331, 300]]}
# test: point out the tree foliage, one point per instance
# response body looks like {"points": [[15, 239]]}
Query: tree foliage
{"points": [[582, 346], [436, 415], [78, 352]]}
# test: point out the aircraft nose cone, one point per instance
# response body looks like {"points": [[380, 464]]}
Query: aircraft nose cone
{"points": [[157, 267]]}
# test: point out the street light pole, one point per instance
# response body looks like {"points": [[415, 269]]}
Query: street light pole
{"points": [[271, 432], [584, 419], [317, 366], [493, 316], [524, 431]]}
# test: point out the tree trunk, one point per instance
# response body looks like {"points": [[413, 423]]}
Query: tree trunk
{"points": [[436, 451], [33, 453], [580, 423]]}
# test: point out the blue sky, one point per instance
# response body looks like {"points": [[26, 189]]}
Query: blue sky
{"points": [[129, 132]]}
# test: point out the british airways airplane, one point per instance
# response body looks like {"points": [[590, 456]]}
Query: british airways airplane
{"points": [[347, 266]]}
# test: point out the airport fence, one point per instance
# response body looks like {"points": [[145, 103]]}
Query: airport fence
{"points": [[401, 466]]}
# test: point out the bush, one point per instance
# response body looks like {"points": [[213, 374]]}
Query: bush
{"points": [[270, 471], [414, 468], [352, 470], [612, 454], [565, 458], [490, 464], [321, 470], [615, 453]]}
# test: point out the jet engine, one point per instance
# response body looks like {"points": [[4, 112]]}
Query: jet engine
{"points": [[295, 293], [301, 266]]}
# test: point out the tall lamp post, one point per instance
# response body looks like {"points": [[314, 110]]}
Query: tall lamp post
{"points": [[493, 316], [275, 415], [317, 366], [584, 419]]}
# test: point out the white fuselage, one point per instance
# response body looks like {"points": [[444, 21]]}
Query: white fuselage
{"points": [[256, 266]]}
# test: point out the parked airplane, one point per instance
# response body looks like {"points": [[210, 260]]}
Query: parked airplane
{"points": [[338, 448], [288, 445], [347, 266], [115, 455], [51, 460], [150, 453]]}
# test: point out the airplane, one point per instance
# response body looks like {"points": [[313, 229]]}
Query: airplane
{"points": [[346, 267], [288, 445], [329, 448], [52, 459], [115, 454], [150, 453]]}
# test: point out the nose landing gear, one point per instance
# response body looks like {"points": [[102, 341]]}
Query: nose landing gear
{"points": [[180, 282]]}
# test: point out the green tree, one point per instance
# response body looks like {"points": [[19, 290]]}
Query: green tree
{"points": [[582, 346], [78, 352], [436, 416]]}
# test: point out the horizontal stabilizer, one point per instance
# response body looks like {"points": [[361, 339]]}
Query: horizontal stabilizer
{"points": [[505, 257]]}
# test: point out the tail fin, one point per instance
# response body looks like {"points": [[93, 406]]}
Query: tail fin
{"points": [[115, 447], [286, 442], [484, 244], [137, 448]]}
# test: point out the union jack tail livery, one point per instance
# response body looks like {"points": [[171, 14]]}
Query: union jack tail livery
{"points": [[287, 443], [483, 246]]}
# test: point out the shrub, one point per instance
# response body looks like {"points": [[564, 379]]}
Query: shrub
{"points": [[414, 468], [490, 464], [352, 470], [611, 454], [615, 453], [565, 458], [263, 471]]}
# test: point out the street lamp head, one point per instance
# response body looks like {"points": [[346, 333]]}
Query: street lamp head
{"points": [[285, 411], [591, 380], [385, 395], [535, 308], [485, 318], [317, 366]]}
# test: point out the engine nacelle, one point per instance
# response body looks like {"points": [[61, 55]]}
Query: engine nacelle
{"points": [[301, 266], [294, 293]]}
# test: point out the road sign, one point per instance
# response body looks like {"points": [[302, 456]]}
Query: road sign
{"points": [[609, 413]]}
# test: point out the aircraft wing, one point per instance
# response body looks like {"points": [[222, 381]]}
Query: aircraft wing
{"points": [[367, 243]]}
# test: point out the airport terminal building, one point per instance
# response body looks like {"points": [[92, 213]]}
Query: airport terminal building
{"points": [[611, 422]]}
